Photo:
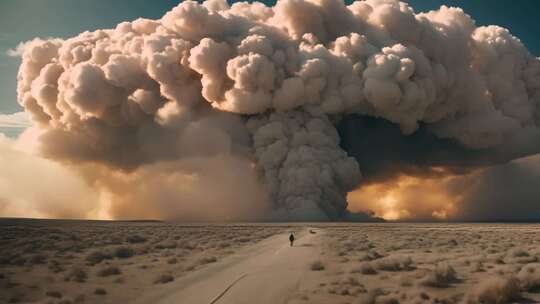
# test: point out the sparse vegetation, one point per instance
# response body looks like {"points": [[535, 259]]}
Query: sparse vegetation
{"points": [[109, 271], [364, 268], [54, 294], [395, 263], [135, 239], [124, 252], [496, 290], [429, 260], [97, 256], [163, 279], [317, 266], [76, 274], [442, 276], [207, 260], [100, 291]]}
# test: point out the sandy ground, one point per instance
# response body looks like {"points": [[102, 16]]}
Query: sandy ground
{"points": [[330, 263], [110, 262], [270, 272]]}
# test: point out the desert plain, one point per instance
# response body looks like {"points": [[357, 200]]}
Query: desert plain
{"points": [[63, 261]]}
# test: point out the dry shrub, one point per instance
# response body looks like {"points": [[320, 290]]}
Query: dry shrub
{"points": [[54, 294], [100, 291], [442, 276], [521, 256], [377, 296], [364, 268], [529, 277], [223, 245], [76, 274], [164, 278], [187, 245], [124, 252], [109, 271], [79, 298], [496, 290], [207, 260], [518, 253], [370, 256], [55, 266], [166, 245], [317, 266], [135, 239], [97, 256], [395, 263], [18, 261], [38, 258]]}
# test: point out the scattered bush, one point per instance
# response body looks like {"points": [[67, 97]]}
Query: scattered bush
{"points": [[100, 291], [442, 276], [395, 263], [529, 277], [166, 245], [172, 261], [377, 296], [98, 256], [207, 260], [370, 256], [135, 239], [54, 294], [317, 266], [18, 261], [79, 298], [76, 274], [497, 290], [124, 252], [109, 271], [518, 253], [38, 258], [55, 266], [163, 279], [119, 280], [365, 268]]}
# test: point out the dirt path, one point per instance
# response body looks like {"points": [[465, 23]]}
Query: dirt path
{"points": [[269, 272]]}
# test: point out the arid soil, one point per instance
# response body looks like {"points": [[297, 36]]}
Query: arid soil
{"points": [[153, 262], [108, 262]]}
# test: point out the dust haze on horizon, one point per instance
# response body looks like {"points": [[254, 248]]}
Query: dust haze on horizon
{"points": [[306, 110]]}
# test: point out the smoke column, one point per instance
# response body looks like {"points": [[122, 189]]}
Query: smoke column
{"points": [[278, 112]]}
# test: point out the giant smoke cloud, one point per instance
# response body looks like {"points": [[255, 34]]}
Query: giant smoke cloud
{"points": [[245, 111]]}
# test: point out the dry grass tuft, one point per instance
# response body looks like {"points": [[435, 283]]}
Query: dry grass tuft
{"points": [[163, 279], [395, 263], [76, 274], [100, 291], [97, 256], [124, 252], [364, 268], [497, 290], [109, 271], [54, 294], [442, 276], [317, 266]]}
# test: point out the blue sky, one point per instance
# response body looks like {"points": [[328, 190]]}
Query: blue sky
{"points": [[21, 20]]}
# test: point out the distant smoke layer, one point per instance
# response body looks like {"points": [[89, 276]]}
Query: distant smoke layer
{"points": [[218, 112]]}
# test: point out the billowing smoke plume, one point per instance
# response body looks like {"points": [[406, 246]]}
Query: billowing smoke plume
{"points": [[251, 93], [29, 185]]}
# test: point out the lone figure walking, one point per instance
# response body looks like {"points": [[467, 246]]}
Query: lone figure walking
{"points": [[291, 238]]}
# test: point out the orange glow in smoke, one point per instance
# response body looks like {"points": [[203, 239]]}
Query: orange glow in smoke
{"points": [[407, 198]]}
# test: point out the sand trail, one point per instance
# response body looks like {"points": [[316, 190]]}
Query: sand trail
{"points": [[269, 272]]}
